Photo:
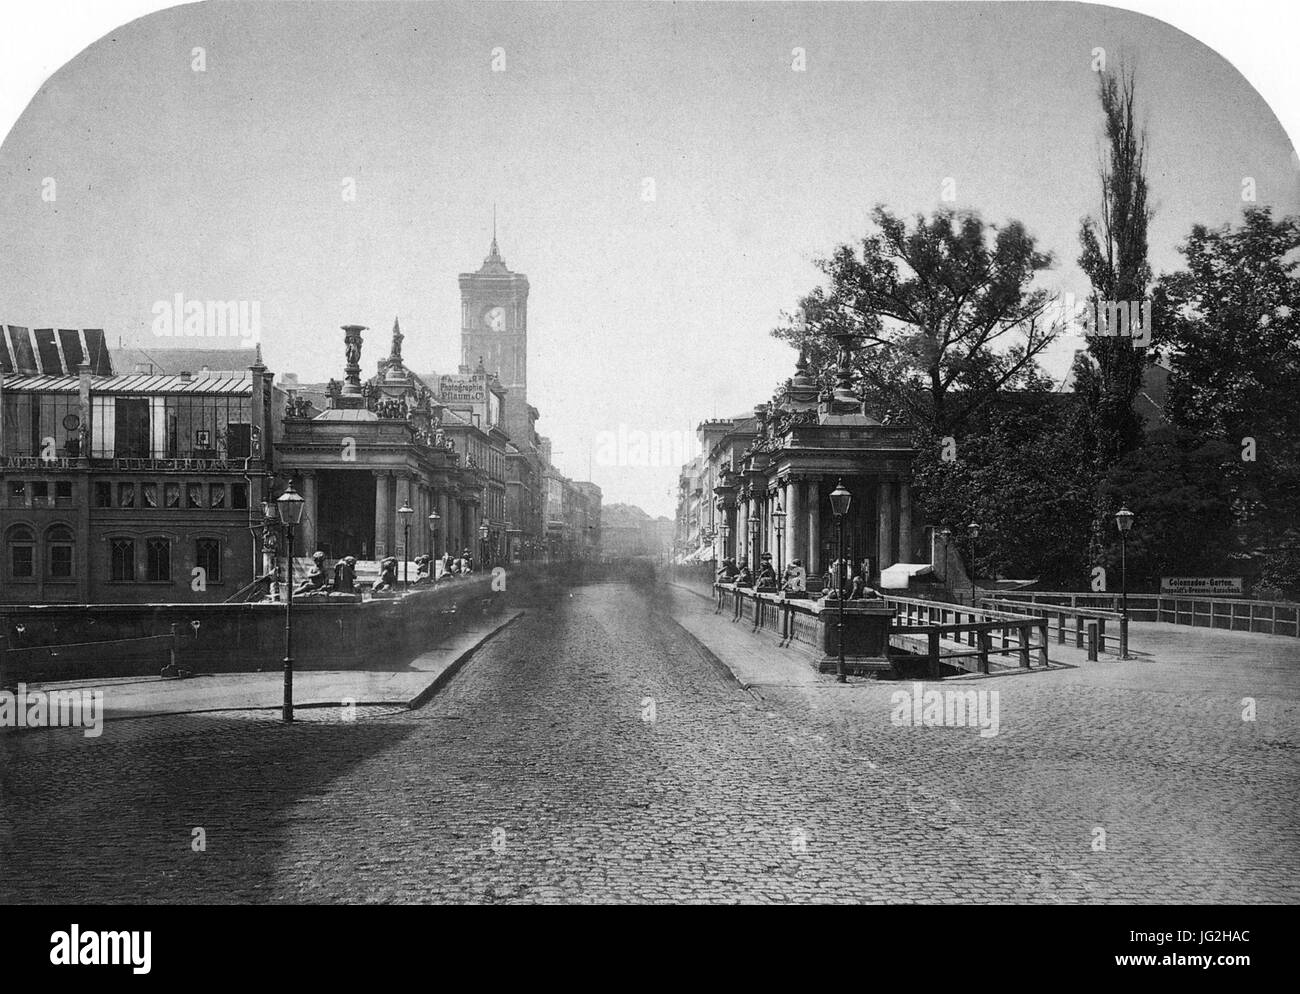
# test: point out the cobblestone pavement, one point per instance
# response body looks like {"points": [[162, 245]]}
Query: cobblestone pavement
{"points": [[593, 753]]}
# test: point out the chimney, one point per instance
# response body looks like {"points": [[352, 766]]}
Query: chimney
{"points": [[185, 376]]}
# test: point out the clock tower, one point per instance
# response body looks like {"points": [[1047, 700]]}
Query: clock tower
{"points": [[494, 325]]}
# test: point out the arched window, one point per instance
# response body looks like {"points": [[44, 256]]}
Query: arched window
{"points": [[21, 544], [59, 543]]}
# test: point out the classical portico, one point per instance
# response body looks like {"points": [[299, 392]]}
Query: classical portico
{"points": [[377, 447], [803, 447]]}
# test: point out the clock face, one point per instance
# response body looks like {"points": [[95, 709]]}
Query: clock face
{"points": [[495, 318]]}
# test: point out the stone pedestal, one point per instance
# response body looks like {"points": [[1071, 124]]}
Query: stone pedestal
{"points": [[866, 637]]}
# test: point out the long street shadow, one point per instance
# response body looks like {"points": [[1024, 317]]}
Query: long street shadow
{"points": [[113, 819]]}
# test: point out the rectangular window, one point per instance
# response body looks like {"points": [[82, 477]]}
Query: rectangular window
{"points": [[126, 495], [61, 561], [239, 440], [40, 493], [194, 495], [239, 496], [23, 568], [17, 493], [149, 494], [122, 569], [131, 428], [103, 494], [216, 495], [172, 494], [207, 555], [159, 560], [63, 491]]}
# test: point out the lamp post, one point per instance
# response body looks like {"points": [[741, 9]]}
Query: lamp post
{"points": [[840, 501], [778, 520], [973, 530], [725, 528], [290, 504], [1123, 521], [434, 518], [406, 510], [483, 540]]}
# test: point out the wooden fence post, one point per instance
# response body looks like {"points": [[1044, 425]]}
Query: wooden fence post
{"points": [[1092, 641], [984, 640], [1024, 644], [933, 639], [1042, 644]]}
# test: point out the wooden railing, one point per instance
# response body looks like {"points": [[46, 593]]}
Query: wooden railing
{"points": [[986, 633], [1085, 619], [1228, 614], [931, 619]]}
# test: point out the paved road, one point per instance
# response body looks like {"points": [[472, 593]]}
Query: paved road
{"points": [[538, 775]]}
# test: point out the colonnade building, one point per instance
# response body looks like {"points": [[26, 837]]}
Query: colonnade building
{"points": [[780, 464]]}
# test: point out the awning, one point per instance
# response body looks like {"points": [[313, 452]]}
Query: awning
{"points": [[896, 577]]}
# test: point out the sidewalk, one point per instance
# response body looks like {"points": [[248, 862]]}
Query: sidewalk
{"points": [[138, 697], [753, 660], [1166, 658]]}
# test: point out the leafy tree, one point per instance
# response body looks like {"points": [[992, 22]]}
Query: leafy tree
{"points": [[1020, 475], [949, 305], [1230, 324], [1182, 504], [1114, 257]]}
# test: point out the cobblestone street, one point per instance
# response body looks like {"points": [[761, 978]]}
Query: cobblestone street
{"points": [[592, 753]]}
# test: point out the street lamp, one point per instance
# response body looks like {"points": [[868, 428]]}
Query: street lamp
{"points": [[483, 538], [406, 510], [778, 519], [973, 530], [290, 504], [1123, 521], [840, 501], [753, 542], [725, 528], [433, 532]]}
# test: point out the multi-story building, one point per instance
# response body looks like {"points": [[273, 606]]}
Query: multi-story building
{"points": [[128, 486]]}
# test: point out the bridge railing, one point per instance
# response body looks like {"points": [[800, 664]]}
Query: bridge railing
{"points": [[937, 620], [1228, 614], [1083, 618]]}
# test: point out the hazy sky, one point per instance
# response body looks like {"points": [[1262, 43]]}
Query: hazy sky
{"points": [[227, 183]]}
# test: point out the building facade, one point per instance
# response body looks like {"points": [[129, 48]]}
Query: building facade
{"points": [[132, 486], [772, 476]]}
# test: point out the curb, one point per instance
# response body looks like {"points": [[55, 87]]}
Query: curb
{"points": [[454, 667]]}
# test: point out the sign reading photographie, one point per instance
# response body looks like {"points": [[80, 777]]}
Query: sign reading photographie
{"points": [[1202, 586], [460, 388]]}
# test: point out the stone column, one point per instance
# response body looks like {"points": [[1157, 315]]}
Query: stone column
{"points": [[886, 525], [383, 515], [905, 553], [444, 524], [796, 544], [307, 531], [814, 563], [742, 527]]}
